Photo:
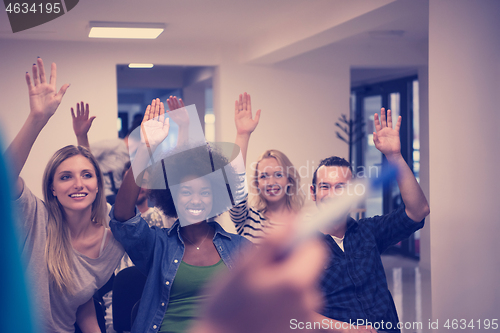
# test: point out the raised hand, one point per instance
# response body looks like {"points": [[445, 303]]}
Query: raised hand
{"points": [[155, 125], [44, 99], [43, 103], [81, 121], [243, 115], [386, 138], [180, 116]]}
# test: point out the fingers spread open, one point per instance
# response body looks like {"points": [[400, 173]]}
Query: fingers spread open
{"points": [[42, 70], [36, 79], [174, 103], [62, 91], [28, 81], [257, 116], [245, 101], [376, 120], [152, 111], [383, 119], [169, 103], [240, 102], [375, 138], [157, 108], [398, 124], [53, 74], [389, 118], [146, 113], [162, 109]]}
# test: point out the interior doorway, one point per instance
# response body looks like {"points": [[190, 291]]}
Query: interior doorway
{"points": [[136, 88], [401, 96]]}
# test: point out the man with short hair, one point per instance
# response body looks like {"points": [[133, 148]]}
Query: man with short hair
{"points": [[354, 285]]}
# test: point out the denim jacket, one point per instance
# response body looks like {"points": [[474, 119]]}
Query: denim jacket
{"points": [[157, 253]]}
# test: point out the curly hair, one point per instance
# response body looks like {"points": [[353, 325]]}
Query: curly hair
{"points": [[187, 162]]}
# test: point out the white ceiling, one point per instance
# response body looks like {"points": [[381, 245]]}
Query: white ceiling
{"points": [[261, 31]]}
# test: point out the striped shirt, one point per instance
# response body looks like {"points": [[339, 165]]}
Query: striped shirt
{"points": [[250, 223]]}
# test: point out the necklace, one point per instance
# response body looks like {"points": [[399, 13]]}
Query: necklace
{"points": [[198, 247]]}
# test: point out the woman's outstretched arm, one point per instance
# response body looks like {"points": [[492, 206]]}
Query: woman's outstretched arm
{"points": [[44, 100], [245, 124], [154, 129]]}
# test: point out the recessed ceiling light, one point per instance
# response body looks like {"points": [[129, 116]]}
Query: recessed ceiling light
{"points": [[125, 30], [139, 65]]}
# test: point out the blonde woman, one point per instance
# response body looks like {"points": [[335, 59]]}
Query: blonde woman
{"points": [[275, 183], [68, 252]]}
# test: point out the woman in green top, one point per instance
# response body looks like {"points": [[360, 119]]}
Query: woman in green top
{"points": [[177, 261]]}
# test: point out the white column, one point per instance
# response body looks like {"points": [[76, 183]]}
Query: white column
{"points": [[464, 127]]}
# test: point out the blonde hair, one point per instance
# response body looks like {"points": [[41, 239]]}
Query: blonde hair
{"points": [[58, 248], [294, 197]]}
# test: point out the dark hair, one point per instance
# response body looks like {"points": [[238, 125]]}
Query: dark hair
{"points": [[199, 162], [330, 161]]}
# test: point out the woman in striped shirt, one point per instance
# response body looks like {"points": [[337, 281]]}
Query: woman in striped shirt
{"points": [[275, 183]]}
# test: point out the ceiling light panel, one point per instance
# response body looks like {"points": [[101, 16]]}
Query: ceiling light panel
{"points": [[125, 30], [140, 65]]}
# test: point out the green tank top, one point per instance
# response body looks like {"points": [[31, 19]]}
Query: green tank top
{"points": [[186, 295]]}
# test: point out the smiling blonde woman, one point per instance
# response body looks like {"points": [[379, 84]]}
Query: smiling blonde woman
{"points": [[275, 183], [68, 252]]}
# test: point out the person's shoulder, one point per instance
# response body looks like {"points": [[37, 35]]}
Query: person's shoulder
{"points": [[26, 194], [228, 235], [112, 243], [257, 212], [238, 238], [28, 203], [240, 241]]}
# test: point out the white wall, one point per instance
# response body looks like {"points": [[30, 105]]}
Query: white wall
{"points": [[464, 86], [90, 68], [92, 79], [299, 110], [301, 98]]}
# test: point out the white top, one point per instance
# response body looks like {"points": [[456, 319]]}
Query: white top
{"points": [[339, 241]]}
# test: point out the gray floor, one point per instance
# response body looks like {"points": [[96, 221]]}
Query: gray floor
{"points": [[407, 283]]}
